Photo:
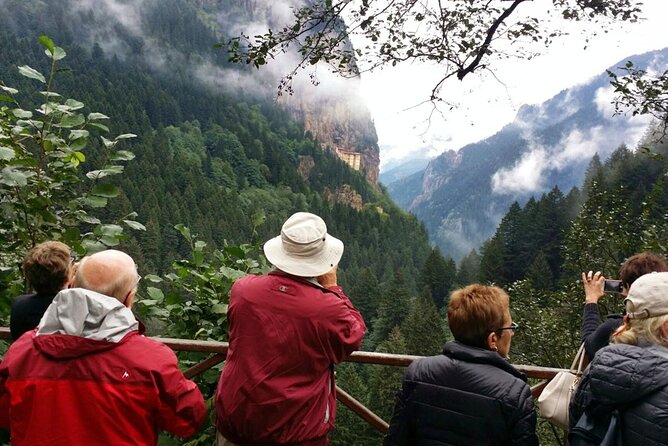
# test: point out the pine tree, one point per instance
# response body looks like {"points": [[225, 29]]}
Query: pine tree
{"points": [[423, 328], [384, 382]]}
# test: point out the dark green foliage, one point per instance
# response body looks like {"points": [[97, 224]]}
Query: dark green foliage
{"points": [[391, 312], [469, 269], [350, 429], [423, 328], [384, 382], [438, 275]]}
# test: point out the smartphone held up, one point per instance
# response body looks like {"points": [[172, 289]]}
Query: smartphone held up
{"points": [[613, 286]]}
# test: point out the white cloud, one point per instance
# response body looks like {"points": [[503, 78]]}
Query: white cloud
{"points": [[525, 175]]}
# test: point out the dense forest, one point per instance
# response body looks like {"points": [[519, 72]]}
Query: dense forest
{"points": [[210, 175]]}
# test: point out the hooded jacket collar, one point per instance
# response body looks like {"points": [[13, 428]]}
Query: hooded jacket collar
{"points": [[80, 321], [463, 352]]}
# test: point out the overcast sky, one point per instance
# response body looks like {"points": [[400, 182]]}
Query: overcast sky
{"points": [[486, 104]]}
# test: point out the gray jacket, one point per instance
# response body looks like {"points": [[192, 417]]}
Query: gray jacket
{"points": [[633, 380]]}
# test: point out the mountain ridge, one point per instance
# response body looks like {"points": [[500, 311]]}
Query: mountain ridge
{"points": [[462, 200]]}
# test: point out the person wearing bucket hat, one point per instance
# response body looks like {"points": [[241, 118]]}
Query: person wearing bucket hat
{"points": [[628, 381], [287, 329]]}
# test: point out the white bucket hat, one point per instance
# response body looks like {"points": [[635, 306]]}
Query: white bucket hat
{"points": [[648, 296], [304, 248]]}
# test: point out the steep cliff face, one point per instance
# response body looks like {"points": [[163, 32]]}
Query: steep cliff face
{"points": [[436, 175], [343, 126]]}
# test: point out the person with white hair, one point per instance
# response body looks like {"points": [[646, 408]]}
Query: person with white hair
{"points": [[623, 394], [287, 329], [87, 375]]}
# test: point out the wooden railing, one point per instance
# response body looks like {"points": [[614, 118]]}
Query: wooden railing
{"points": [[218, 351]]}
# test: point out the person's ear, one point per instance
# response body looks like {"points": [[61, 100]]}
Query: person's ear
{"points": [[664, 331], [492, 339], [129, 299]]}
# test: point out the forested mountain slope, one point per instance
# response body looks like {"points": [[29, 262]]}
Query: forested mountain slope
{"points": [[207, 155]]}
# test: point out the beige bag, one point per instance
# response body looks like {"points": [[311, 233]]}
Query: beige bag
{"points": [[556, 396]]}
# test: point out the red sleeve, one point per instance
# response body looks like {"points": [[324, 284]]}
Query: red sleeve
{"points": [[345, 327], [182, 409], [4, 399]]}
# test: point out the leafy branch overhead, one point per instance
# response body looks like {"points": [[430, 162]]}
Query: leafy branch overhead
{"points": [[461, 37], [641, 93], [44, 195]]}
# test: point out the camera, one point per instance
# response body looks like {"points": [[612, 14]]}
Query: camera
{"points": [[613, 286]]}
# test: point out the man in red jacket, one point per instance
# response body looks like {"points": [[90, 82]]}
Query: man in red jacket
{"points": [[88, 376], [287, 330]]}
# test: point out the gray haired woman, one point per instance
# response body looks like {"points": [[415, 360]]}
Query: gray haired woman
{"points": [[623, 395]]}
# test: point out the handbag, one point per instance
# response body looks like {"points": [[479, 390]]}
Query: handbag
{"points": [[556, 396]]}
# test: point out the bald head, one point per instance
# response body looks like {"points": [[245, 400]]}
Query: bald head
{"points": [[111, 272]]}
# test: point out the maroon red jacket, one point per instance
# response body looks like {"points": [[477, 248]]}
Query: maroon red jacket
{"points": [[277, 387], [74, 389]]}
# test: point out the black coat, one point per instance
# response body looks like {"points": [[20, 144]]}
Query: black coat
{"points": [[27, 311], [633, 380], [465, 396]]}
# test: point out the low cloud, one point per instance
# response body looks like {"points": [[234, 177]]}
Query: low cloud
{"points": [[525, 175]]}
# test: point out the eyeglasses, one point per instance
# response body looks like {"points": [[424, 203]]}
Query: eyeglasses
{"points": [[513, 327]]}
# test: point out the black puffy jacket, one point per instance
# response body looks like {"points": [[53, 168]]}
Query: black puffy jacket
{"points": [[633, 380], [466, 396]]}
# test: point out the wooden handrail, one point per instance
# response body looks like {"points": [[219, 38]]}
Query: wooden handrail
{"points": [[219, 350]]}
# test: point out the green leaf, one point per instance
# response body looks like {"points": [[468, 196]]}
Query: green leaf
{"points": [[105, 190], [73, 104], [110, 230], [72, 120], [98, 126], [13, 177], [57, 53], [185, 232], [109, 240], [219, 309], [95, 201], [5, 98], [172, 299], [95, 116], [6, 153], [50, 94], [26, 71], [47, 42], [123, 155], [76, 134], [78, 144], [20, 113], [108, 144], [125, 136], [155, 293], [153, 278], [9, 89], [89, 219], [231, 273], [135, 225], [111, 170], [93, 246]]}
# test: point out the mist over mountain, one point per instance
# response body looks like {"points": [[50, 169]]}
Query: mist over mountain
{"points": [[462, 196], [396, 170], [169, 36]]}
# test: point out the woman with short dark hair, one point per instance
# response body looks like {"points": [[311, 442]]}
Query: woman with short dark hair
{"points": [[469, 394]]}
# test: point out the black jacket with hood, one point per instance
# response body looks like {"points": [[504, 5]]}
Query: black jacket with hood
{"points": [[465, 396], [632, 380]]}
